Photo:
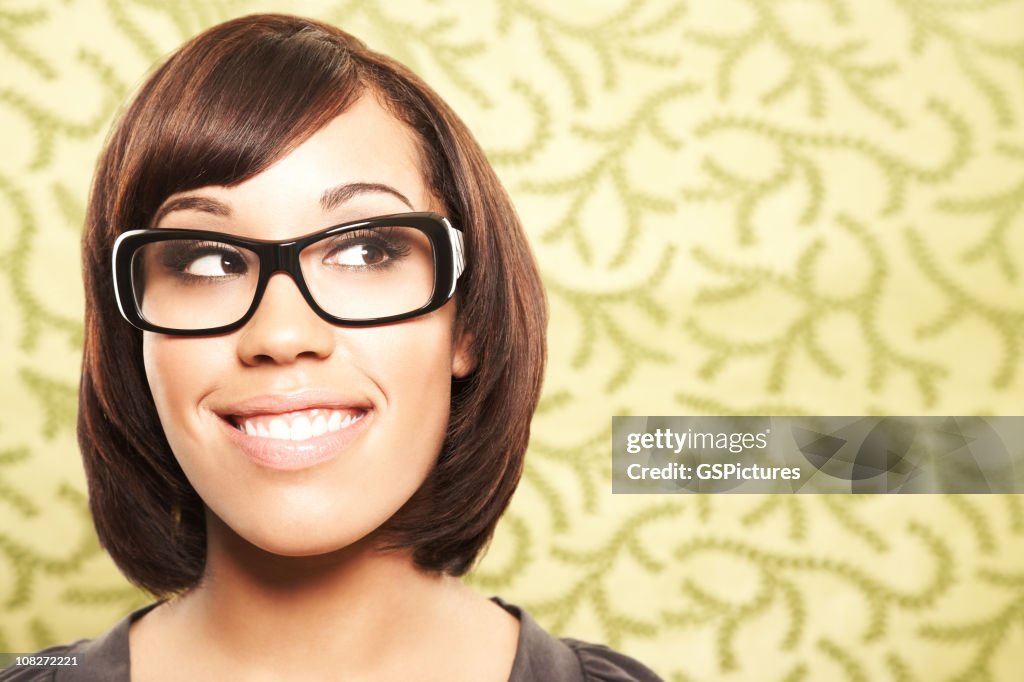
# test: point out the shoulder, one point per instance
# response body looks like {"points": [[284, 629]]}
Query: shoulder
{"points": [[541, 657], [601, 664]]}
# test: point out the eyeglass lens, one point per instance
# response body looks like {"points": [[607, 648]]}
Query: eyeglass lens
{"points": [[361, 274]]}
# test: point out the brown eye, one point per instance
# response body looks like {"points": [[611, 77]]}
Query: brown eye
{"points": [[358, 255], [215, 265]]}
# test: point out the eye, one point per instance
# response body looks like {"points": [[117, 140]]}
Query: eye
{"points": [[358, 254], [215, 264], [379, 249]]}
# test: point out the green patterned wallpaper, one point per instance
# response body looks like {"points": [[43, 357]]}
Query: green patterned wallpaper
{"points": [[739, 206]]}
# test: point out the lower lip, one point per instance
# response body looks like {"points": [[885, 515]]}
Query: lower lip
{"points": [[290, 455]]}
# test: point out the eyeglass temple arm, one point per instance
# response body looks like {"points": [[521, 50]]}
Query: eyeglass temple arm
{"points": [[458, 253]]}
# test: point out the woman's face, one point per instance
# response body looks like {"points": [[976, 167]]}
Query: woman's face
{"points": [[382, 393]]}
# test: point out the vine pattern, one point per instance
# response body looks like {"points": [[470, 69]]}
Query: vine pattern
{"points": [[808, 64]]}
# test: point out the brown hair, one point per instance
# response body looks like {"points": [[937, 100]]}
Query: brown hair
{"points": [[220, 110]]}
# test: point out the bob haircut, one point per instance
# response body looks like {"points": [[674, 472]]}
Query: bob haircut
{"points": [[220, 110]]}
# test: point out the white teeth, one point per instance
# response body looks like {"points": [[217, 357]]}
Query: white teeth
{"points": [[319, 425], [301, 429], [279, 429], [297, 426]]}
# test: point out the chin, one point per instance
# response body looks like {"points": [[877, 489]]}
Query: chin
{"points": [[294, 551], [307, 542], [297, 538]]}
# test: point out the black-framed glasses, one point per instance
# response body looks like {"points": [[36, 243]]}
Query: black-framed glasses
{"points": [[362, 273]]}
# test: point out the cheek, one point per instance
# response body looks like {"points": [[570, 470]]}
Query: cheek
{"points": [[411, 365], [180, 371]]}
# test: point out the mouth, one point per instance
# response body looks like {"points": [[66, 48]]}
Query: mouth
{"points": [[297, 425], [295, 431]]}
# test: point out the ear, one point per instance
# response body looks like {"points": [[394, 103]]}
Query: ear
{"points": [[463, 357]]}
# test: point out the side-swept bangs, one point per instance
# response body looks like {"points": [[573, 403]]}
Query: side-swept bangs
{"points": [[220, 110]]}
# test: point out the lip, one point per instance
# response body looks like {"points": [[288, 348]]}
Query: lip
{"points": [[287, 455]]}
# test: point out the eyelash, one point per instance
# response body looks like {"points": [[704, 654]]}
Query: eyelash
{"points": [[179, 257], [377, 237]]}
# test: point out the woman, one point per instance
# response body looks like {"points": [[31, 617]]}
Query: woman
{"points": [[314, 343]]}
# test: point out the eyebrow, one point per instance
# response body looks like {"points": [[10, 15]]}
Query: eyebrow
{"points": [[330, 199], [342, 193], [204, 204]]}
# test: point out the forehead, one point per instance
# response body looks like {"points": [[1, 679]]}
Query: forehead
{"points": [[364, 147]]}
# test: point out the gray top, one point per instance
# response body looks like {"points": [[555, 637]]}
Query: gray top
{"points": [[539, 658]]}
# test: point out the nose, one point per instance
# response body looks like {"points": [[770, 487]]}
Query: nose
{"points": [[284, 328]]}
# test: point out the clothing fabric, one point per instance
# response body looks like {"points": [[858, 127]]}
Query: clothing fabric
{"points": [[539, 658]]}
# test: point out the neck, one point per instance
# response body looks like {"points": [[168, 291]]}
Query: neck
{"points": [[359, 607]]}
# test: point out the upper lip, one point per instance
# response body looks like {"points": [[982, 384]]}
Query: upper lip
{"points": [[278, 403]]}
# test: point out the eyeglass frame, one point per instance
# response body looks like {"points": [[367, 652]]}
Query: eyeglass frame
{"points": [[283, 256]]}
